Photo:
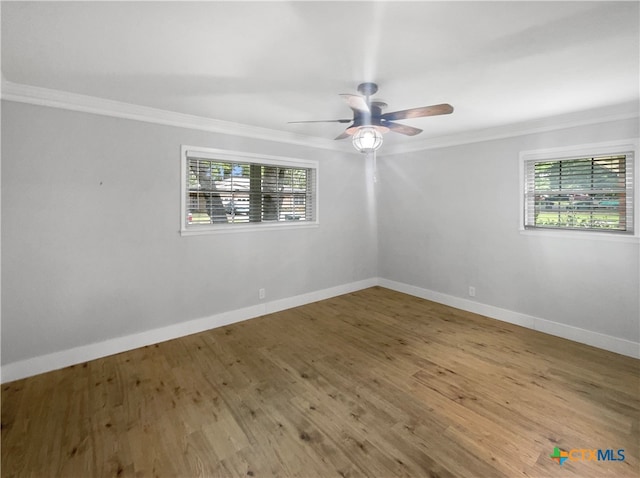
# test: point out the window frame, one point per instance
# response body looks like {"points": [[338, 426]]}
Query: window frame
{"points": [[206, 153], [608, 148]]}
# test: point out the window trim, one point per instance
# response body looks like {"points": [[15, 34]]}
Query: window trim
{"points": [[577, 151], [239, 156]]}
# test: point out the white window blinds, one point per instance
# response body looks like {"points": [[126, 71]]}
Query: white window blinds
{"points": [[220, 190], [585, 193]]}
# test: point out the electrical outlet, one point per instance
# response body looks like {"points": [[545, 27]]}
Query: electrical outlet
{"points": [[472, 291], [262, 293]]}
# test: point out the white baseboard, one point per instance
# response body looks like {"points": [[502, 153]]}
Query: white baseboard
{"points": [[57, 360], [64, 358], [588, 337], [298, 300]]}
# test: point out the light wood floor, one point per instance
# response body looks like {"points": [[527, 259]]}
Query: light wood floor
{"points": [[374, 383]]}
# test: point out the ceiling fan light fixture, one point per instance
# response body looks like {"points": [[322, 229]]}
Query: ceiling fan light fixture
{"points": [[367, 139]]}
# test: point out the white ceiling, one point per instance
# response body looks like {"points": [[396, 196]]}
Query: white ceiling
{"points": [[266, 63]]}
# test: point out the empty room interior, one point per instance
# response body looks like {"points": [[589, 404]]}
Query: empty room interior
{"points": [[318, 239]]}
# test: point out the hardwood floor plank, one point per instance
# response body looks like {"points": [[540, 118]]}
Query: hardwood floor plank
{"points": [[372, 383]]}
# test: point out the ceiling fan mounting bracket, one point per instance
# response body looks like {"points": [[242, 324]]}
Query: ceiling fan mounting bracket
{"points": [[367, 89]]}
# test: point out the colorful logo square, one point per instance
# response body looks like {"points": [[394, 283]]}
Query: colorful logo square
{"points": [[559, 455]]}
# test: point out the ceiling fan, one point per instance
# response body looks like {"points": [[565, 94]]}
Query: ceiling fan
{"points": [[370, 122]]}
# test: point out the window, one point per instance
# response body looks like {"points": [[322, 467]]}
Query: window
{"points": [[586, 192], [222, 189]]}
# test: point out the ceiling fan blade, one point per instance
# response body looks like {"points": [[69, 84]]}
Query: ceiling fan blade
{"points": [[434, 110], [402, 128], [356, 102], [323, 121], [344, 135]]}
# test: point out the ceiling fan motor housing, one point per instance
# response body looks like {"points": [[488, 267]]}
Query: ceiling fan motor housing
{"points": [[370, 118]]}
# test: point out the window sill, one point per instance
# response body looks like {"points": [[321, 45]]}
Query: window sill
{"points": [[240, 228], [584, 235]]}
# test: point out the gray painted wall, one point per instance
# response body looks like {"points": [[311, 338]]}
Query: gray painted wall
{"points": [[90, 242], [91, 249], [449, 218]]}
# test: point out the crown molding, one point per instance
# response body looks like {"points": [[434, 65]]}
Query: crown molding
{"points": [[36, 95], [622, 111]]}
